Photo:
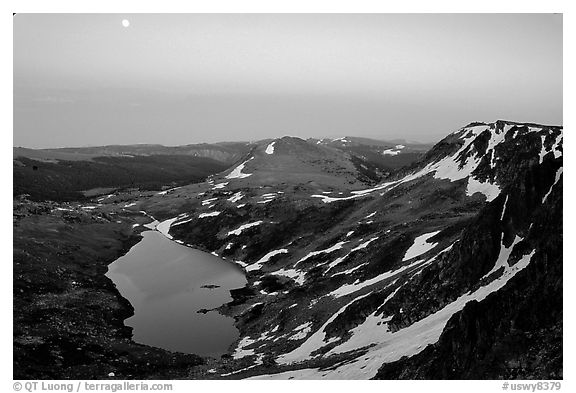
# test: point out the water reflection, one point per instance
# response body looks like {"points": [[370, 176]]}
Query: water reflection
{"points": [[163, 281]]}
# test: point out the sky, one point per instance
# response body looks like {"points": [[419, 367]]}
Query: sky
{"points": [[173, 79]]}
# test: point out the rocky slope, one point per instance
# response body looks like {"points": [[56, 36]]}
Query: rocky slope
{"points": [[516, 332], [351, 279]]}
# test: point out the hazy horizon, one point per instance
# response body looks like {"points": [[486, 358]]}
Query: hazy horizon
{"points": [[177, 79], [394, 140]]}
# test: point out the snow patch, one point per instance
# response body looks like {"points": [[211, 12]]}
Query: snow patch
{"points": [[316, 340], [503, 255], [557, 143], [236, 197], [240, 350], [377, 188], [208, 201], [105, 197], [336, 262], [351, 270], [387, 346], [357, 285], [270, 148], [364, 245], [391, 152], [182, 222], [211, 214], [504, 208], [220, 185], [164, 227], [370, 215], [239, 230], [414, 338], [152, 225], [258, 264], [543, 150], [167, 191], [495, 139], [237, 172], [343, 140], [296, 275], [327, 199], [490, 190], [335, 247], [302, 331], [420, 246], [557, 178]]}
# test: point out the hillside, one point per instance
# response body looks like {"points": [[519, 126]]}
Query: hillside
{"points": [[448, 268], [387, 156], [74, 180], [68, 174], [226, 152], [344, 279]]}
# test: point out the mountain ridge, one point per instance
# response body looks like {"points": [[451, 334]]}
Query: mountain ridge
{"points": [[448, 268], [439, 196]]}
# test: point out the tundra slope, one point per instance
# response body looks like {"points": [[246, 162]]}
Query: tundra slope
{"points": [[354, 282]]}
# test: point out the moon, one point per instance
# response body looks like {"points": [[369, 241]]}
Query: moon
{"points": [[125, 22]]}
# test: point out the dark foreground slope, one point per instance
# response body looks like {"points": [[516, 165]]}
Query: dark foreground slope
{"points": [[68, 316]]}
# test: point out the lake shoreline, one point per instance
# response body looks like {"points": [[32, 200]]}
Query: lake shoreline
{"points": [[68, 316], [160, 275]]}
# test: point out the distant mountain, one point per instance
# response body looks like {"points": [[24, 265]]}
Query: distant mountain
{"points": [[71, 173], [290, 160], [386, 155], [450, 267], [226, 152], [78, 179]]}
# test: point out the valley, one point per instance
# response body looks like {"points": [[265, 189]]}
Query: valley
{"points": [[428, 262]]}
